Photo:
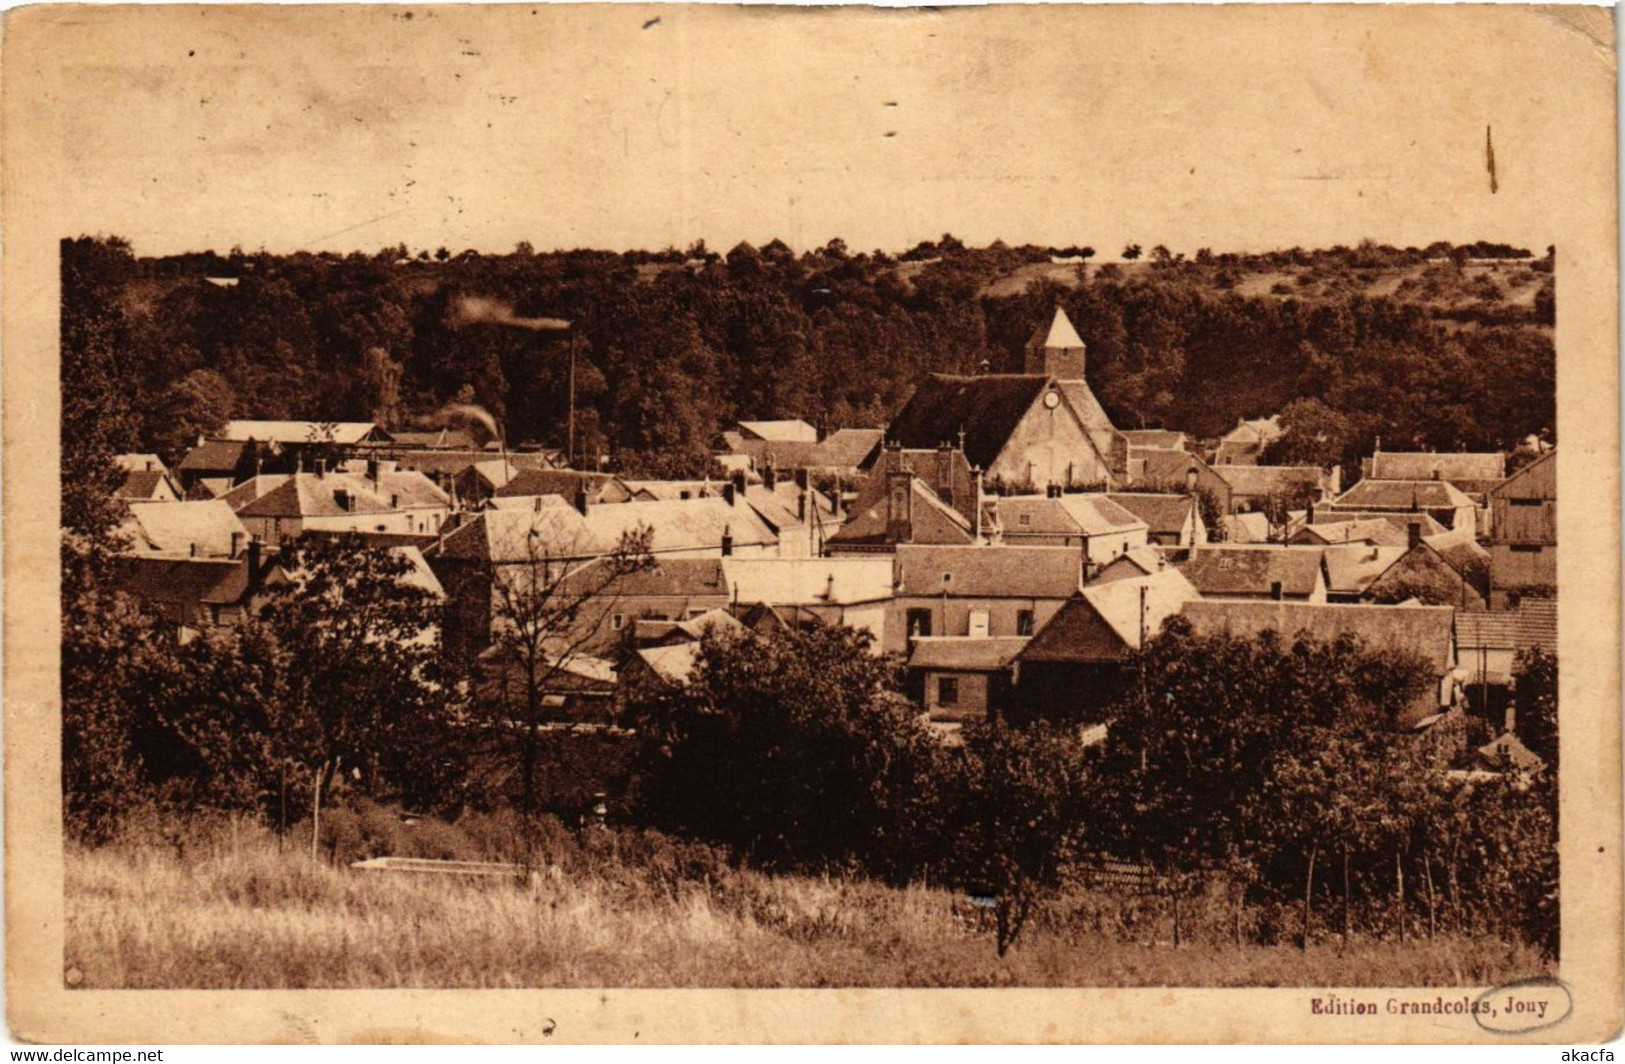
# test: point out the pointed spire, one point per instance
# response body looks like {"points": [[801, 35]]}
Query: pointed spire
{"points": [[1056, 351]]}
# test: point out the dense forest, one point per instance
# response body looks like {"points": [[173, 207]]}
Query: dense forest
{"points": [[1445, 347]]}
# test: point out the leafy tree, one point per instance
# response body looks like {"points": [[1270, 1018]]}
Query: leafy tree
{"points": [[1022, 797], [197, 405], [1535, 699], [795, 748], [1312, 434], [1131, 252]]}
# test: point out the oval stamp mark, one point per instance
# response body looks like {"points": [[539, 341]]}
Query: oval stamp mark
{"points": [[1524, 1007]]}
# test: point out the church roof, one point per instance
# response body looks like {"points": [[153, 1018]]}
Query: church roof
{"points": [[987, 408], [1060, 334]]}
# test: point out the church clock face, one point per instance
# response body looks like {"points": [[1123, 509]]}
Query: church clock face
{"points": [[1051, 400]]}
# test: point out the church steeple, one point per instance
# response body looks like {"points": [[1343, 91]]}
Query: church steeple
{"points": [[1056, 351]]}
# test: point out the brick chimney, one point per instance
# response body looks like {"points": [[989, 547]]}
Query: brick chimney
{"points": [[581, 499], [1413, 534], [727, 541], [770, 478], [728, 493]]}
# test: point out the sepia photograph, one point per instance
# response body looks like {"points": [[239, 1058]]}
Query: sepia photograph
{"points": [[936, 501]]}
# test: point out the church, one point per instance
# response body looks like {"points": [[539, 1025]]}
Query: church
{"points": [[1027, 431]]}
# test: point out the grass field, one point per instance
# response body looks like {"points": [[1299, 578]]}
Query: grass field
{"points": [[240, 913]]}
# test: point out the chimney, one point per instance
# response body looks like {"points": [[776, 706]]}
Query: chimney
{"points": [[739, 485], [1190, 481], [321, 467], [728, 493], [801, 505], [976, 474], [1275, 590], [372, 470], [801, 479], [581, 498], [1435, 474], [770, 478], [192, 549], [1414, 537], [727, 541], [236, 544], [1309, 517], [253, 559]]}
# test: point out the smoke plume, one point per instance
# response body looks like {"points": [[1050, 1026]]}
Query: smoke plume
{"points": [[471, 310]]}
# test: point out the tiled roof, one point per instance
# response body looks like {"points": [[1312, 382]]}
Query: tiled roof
{"points": [[454, 462], [183, 581], [140, 463], [318, 495], [987, 408], [1423, 630], [1374, 531], [1533, 624], [674, 663], [341, 432], [848, 448], [685, 524], [443, 439], [934, 521], [808, 581], [1071, 515], [1350, 569], [1104, 621], [1454, 467], [793, 429], [666, 578], [958, 653], [1400, 520], [1251, 570], [601, 487], [178, 526], [1402, 495], [989, 572], [214, 455], [1260, 480], [140, 486], [551, 533], [1162, 514]]}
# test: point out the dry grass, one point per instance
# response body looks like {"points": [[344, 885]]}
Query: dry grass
{"points": [[239, 913]]}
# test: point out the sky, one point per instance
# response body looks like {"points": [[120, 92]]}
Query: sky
{"points": [[346, 129]]}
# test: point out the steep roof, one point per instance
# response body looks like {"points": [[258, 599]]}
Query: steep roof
{"points": [[1103, 621], [1535, 471], [673, 663], [140, 463], [1059, 333], [341, 432], [779, 505], [318, 495], [1399, 519], [987, 408], [143, 485], [1533, 624], [1146, 560], [989, 572], [459, 439], [1424, 630], [1162, 514], [848, 448], [183, 581], [1454, 467], [1070, 515], [682, 578], [684, 524], [548, 533], [1402, 495], [1352, 568], [1255, 430], [1232, 569], [178, 526], [1246, 528], [214, 455], [960, 653], [934, 521]]}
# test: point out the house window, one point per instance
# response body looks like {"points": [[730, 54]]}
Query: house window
{"points": [[617, 621], [948, 691], [919, 623], [1527, 502], [1025, 519], [1526, 548], [979, 624], [1024, 622]]}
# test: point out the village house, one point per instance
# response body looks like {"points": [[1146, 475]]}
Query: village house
{"points": [[146, 479], [210, 469], [194, 593], [1256, 571], [699, 527], [978, 591], [1072, 668], [1398, 522], [1157, 439], [1351, 568], [1276, 489], [569, 483], [298, 434], [1370, 532], [1244, 444], [1170, 520], [1098, 528], [1426, 632], [1489, 643], [1437, 498], [204, 528], [962, 679], [1476, 474], [278, 507], [770, 592], [1523, 548], [1140, 561], [921, 497], [1176, 472], [1026, 431]]}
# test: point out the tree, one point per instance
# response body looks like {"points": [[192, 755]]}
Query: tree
{"points": [[545, 609], [1535, 699], [349, 646], [1021, 796], [796, 748], [1131, 252], [1312, 434], [195, 406]]}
